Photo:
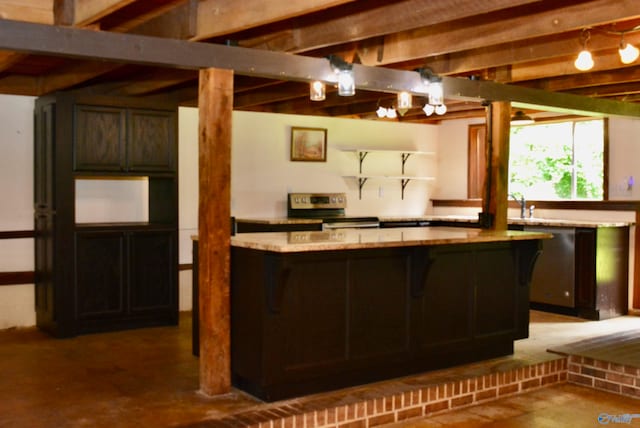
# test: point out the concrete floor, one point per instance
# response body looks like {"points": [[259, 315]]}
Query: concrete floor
{"points": [[148, 377]]}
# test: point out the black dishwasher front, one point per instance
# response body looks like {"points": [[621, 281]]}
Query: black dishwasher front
{"points": [[553, 280]]}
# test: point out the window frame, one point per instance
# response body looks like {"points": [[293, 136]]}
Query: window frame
{"points": [[477, 162]]}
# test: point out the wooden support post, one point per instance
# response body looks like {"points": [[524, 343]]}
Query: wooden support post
{"points": [[496, 195], [215, 103]]}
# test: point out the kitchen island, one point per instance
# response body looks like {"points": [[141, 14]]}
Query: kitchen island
{"points": [[319, 310]]}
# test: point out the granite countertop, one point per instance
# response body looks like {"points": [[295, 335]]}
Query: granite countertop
{"points": [[512, 220], [347, 239], [453, 218]]}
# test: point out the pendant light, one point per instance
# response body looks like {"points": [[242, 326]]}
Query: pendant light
{"points": [[628, 52], [519, 118], [584, 61], [317, 91]]}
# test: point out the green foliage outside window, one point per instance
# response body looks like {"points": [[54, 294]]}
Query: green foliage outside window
{"points": [[557, 160]]}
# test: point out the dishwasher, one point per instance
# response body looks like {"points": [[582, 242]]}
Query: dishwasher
{"points": [[553, 280]]}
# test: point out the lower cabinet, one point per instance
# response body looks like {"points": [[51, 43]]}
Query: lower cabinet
{"points": [[125, 279], [307, 322]]}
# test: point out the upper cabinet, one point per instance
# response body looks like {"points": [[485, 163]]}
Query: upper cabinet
{"points": [[130, 140]]}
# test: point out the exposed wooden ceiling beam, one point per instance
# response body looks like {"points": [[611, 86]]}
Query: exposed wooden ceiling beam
{"points": [[134, 49], [428, 41], [84, 12], [379, 21], [543, 48], [220, 17]]}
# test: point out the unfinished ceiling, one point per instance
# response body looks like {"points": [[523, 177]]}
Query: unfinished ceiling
{"points": [[522, 42]]}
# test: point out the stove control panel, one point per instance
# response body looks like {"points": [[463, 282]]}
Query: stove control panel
{"points": [[309, 201]]}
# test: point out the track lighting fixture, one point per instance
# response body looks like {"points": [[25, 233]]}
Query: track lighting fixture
{"points": [[628, 52], [317, 91], [346, 78], [435, 92]]}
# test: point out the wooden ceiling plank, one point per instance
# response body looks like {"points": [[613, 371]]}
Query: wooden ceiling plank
{"points": [[423, 43], [392, 18], [143, 50], [157, 81], [8, 59], [19, 85], [179, 22], [522, 52], [90, 11], [583, 80], [220, 17], [73, 75], [38, 11], [609, 60]]}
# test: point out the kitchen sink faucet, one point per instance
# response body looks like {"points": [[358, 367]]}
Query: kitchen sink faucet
{"points": [[522, 202]]}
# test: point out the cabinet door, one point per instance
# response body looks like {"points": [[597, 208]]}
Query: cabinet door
{"points": [[99, 138], [100, 275], [151, 141], [153, 280]]}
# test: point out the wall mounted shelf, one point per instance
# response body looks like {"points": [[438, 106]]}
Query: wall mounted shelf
{"points": [[404, 156]]}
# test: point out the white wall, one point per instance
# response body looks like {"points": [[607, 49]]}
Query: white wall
{"points": [[16, 210]]}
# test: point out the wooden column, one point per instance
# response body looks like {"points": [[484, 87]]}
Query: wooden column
{"points": [[496, 194], [215, 103]]}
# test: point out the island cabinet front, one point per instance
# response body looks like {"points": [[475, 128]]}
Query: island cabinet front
{"points": [[314, 321]]}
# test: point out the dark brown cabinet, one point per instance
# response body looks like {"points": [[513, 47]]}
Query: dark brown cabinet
{"points": [[312, 321], [94, 277], [127, 140]]}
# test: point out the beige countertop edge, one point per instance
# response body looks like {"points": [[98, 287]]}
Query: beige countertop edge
{"points": [[454, 218], [519, 221], [350, 239], [279, 220]]}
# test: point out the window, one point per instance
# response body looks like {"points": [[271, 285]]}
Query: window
{"points": [[562, 160], [551, 161]]}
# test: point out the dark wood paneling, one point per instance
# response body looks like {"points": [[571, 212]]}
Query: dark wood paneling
{"points": [[152, 271], [99, 138], [308, 322], [101, 276], [17, 234], [17, 278], [150, 140]]}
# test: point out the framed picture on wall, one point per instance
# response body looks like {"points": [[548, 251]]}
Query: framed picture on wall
{"points": [[308, 144]]}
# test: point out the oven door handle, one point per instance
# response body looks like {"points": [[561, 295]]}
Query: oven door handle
{"points": [[354, 224]]}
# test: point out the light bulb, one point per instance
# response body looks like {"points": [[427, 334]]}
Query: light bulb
{"points": [[346, 83], [584, 61], [441, 109], [317, 91], [628, 53], [404, 100], [436, 93], [428, 109], [381, 112], [391, 113]]}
